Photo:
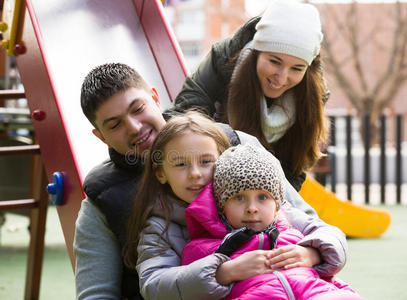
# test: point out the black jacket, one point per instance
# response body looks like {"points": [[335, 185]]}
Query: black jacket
{"points": [[112, 187]]}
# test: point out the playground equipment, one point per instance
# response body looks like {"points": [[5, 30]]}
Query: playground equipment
{"points": [[57, 58], [56, 43], [21, 167], [354, 220]]}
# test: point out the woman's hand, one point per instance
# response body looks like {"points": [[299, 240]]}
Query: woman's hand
{"points": [[258, 262], [247, 265], [292, 256]]}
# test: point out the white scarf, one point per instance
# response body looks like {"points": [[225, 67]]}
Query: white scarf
{"points": [[277, 118]]}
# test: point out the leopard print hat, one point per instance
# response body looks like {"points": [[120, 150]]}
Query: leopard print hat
{"points": [[247, 167]]}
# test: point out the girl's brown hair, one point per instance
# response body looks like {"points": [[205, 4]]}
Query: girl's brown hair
{"points": [[151, 190], [299, 147]]}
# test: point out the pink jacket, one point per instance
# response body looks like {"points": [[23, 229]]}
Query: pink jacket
{"points": [[207, 232]]}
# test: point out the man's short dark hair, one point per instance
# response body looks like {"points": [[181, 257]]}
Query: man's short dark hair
{"points": [[103, 82]]}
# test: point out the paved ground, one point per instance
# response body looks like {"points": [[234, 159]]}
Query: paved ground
{"points": [[377, 268], [57, 280]]}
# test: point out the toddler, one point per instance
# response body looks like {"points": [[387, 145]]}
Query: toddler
{"points": [[243, 211]]}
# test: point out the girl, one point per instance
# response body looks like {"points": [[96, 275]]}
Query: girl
{"points": [[179, 165], [245, 208], [266, 80]]}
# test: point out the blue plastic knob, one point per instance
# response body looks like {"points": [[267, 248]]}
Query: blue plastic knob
{"points": [[56, 188]]}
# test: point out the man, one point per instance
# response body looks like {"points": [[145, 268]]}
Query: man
{"points": [[126, 115]]}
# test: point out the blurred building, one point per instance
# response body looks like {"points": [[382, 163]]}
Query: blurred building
{"points": [[375, 30], [198, 24]]}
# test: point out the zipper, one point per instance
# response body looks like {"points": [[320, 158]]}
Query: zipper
{"points": [[261, 241], [285, 284]]}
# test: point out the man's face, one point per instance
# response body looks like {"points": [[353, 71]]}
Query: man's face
{"points": [[129, 121]]}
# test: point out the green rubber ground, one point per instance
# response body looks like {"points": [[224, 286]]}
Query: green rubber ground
{"points": [[376, 268]]}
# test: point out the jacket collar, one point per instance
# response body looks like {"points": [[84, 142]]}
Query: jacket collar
{"points": [[178, 210], [129, 162]]}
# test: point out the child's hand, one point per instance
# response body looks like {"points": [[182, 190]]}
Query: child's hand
{"points": [[247, 265], [292, 256]]}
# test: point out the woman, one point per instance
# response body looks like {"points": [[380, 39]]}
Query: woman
{"points": [[267, 80]]}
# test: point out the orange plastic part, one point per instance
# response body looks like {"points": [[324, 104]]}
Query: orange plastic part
{"points": [[354, 220]]}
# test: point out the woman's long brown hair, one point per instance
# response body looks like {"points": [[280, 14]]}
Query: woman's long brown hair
{"points": [[151, 190], [299, 147]]}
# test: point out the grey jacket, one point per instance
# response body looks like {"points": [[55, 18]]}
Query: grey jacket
{"points": [[98, 262], [162, 277]]}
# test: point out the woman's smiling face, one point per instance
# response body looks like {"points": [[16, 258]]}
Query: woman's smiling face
{"points": [[279, 72]]}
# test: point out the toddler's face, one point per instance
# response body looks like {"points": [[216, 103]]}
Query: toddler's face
{"points": [[188, 164], [255, 209]]}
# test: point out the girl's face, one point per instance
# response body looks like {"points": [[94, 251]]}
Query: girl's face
{"points": [[255, 209], [188, 164], [278, 72]]}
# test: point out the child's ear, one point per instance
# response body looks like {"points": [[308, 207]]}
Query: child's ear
{"points": [[160, 176]]}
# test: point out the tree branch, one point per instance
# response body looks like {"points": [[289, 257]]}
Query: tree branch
{"points": [[395, 52], [334, 66], [354, 45]]}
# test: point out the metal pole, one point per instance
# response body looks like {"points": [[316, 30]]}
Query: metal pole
{"points": [[333, 153], [382, 159], [399, 122], [349, 156], [367, 157]]}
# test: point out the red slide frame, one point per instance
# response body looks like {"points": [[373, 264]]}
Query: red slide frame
{"points": [[45, 89]]}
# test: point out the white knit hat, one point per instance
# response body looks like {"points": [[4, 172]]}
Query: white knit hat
{"points": [[246, 167], [289, 27]]}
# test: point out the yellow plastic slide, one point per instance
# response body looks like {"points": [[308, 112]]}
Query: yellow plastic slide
{"points": [[354, 220]]}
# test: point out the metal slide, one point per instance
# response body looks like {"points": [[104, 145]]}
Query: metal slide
{"points": [[64, 40]]}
